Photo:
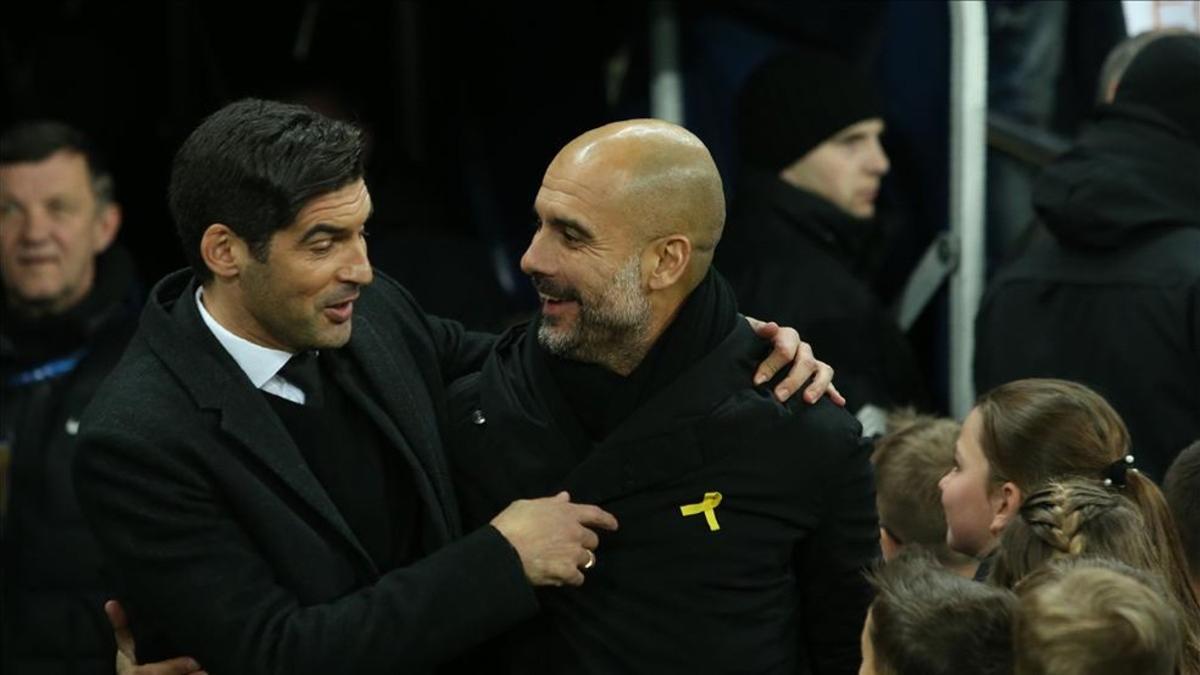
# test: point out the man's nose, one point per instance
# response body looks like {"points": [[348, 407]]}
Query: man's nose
{"points": [[533, 261], [878, 162], [35, 225], [357, 269]]}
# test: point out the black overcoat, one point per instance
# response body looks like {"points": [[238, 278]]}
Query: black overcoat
{"points": [[223, 542]]}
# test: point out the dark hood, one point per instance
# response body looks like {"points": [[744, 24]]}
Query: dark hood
{"points": [[1132, 172]]}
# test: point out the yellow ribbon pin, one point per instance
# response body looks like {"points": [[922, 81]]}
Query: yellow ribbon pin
{"points": [[708, 507]]}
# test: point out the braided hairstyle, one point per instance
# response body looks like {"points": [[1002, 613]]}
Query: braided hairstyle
{"points": [[1073, 518], [1035, 431]]}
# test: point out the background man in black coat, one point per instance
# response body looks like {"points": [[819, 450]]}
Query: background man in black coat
{"points": [[803, 239], [267, 482], [1108, 293], [746, 523], [70, 304]]}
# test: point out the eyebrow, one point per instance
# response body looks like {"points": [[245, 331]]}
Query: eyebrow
{"points": [[333, 230], [320, 229]]}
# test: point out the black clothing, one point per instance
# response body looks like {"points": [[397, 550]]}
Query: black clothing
{"points": [[1112, 298], [773, 583], [601, 399], [345, 451], [798, 260], [53, 621], [225, 544]]}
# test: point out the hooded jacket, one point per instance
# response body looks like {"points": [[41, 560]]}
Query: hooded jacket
{"points": [[1109, 295]]}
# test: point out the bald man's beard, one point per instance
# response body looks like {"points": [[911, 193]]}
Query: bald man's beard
{"points": [[608, 329]]}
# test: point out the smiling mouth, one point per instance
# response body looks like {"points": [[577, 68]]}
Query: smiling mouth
{"points": [[553, 305], [340, 312]]}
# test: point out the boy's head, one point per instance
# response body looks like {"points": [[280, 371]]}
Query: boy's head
{"points": [[909, 459], [1094, 617], [927, 620]]}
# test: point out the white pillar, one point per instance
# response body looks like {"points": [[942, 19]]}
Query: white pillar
{"points": [[968, 129], [666, 82]]}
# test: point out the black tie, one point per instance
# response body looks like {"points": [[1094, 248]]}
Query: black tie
{"points": [[303, 371]]}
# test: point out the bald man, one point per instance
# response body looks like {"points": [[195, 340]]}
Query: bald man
{"points": [[745, 522]]}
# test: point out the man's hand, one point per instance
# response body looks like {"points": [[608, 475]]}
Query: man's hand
{"points": [[553, 537], [127, 661], [789, 348]]}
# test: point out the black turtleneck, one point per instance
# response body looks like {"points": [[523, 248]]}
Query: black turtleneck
{"points": [[600, 400]]}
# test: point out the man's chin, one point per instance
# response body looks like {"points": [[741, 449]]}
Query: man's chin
{"points": [[555, 338], [333, 337]]}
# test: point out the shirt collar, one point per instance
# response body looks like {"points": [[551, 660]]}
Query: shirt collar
{"points": [[259, 363]]}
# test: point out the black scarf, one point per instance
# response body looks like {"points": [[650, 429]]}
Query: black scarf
{"points": [[594, 400], [26, 341]]}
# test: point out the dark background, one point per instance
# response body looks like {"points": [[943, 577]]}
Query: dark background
{"points": [[466, 103]]}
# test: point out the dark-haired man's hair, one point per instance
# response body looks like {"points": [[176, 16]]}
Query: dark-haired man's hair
{"points": [[927, 620], [252, 166], [36, 140]]}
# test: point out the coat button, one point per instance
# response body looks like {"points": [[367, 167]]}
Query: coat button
{"points": [[477, 417]]}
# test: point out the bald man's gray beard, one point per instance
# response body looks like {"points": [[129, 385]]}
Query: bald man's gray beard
{"points": [[608, 329]]}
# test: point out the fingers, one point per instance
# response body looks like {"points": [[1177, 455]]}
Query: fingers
{"points": [[804, 366], [836, 396], [594, 516], [758, 326], [573, 578], [785, 345], [821, 382], [120, 624], [178, 666], [589, 539]]}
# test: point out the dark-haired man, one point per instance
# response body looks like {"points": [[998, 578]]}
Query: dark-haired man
{"points": [[264, 468], [69, 307]]}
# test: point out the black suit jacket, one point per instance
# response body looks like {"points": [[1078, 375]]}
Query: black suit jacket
{"points": [[224, 544]]}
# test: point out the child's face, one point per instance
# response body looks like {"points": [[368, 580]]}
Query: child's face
{"points": [[967, 495]]}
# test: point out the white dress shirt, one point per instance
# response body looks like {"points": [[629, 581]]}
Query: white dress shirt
{"points": [[261, 364]]}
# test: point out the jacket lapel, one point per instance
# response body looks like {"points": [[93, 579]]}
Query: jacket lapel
{"points": [[186, 346], [403, 411]]}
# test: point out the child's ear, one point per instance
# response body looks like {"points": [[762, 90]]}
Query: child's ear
{"points": [[1006, 501]]}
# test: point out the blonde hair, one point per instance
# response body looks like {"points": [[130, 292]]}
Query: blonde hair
{"points": [[1094, 617], [909, 460]]}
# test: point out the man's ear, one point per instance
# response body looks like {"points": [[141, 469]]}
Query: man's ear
{"points": [[108, 223], [223, 251], [1007, 502], [672, 254]]}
